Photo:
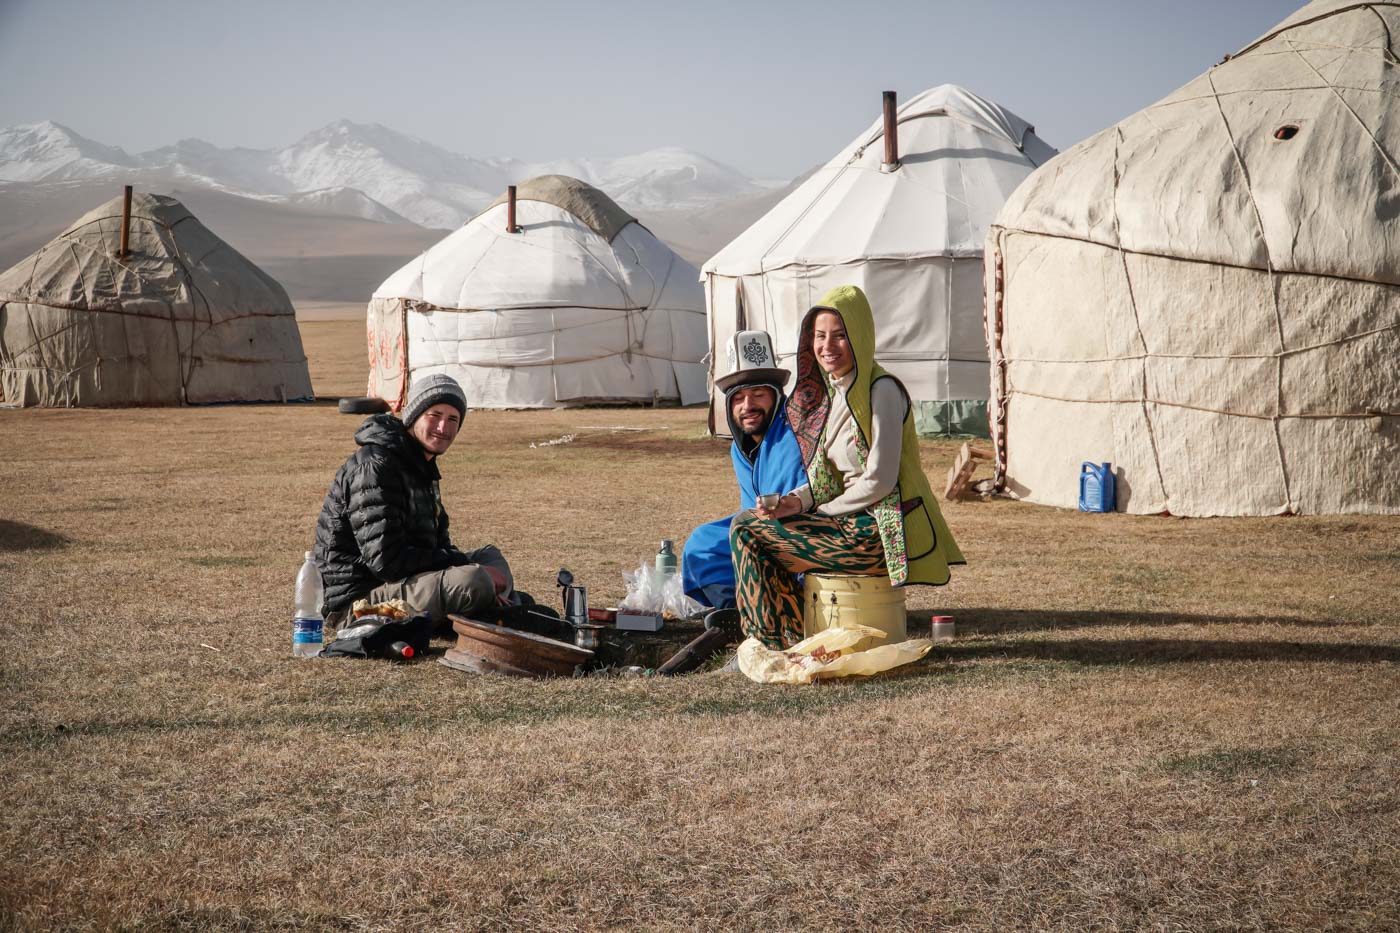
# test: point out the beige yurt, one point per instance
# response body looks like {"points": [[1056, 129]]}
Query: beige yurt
{"points": [[182, 318], [577, 303], [1207, 295], [903, 214]]}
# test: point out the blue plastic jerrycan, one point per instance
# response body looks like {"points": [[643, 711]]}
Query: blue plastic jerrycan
{"points": [[1098, 490]]}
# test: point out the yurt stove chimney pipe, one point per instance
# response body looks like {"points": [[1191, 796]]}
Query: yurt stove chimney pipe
{"points": [[510, 210], [122, 251], [891, 134]]}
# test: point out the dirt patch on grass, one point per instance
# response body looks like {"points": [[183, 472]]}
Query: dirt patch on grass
{"points": [[658, 449]]}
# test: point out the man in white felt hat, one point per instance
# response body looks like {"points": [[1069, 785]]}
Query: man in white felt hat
{"points": [[382, 533], [764, 454]]}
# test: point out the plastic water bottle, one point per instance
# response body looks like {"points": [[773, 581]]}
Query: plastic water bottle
{"points": [[665, 559], [307, 624]]}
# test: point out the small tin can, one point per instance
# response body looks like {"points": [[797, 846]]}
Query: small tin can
{"points": [[586, 636]]}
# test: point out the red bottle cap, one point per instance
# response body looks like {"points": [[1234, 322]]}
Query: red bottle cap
{"points": [[941, 620]]}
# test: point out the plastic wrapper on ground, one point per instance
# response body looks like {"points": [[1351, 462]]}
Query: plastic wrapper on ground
{"points": [[651, 590], [853, 651]]}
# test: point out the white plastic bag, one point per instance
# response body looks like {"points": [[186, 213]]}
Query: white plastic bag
{"points": [[650, 590], [834, 652]]}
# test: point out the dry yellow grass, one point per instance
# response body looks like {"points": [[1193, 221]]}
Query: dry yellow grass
{"points": [[1145, 722]]}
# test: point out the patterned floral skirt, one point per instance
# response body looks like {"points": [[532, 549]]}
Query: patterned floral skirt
{"points": [[769, 554]]}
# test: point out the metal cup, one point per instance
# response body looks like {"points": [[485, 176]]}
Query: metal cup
{"points": [[770, 501]]}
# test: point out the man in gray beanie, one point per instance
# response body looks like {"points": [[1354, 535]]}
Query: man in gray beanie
{"points": [[382, 533]]}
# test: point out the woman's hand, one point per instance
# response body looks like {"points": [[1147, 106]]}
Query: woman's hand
{"points": [[788, 505]]}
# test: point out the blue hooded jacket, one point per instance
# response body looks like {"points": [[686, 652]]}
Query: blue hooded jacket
{"points": [[776, 467]]}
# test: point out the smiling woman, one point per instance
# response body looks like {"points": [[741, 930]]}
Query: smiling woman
{"points": [[867, 507], [831, 345]]}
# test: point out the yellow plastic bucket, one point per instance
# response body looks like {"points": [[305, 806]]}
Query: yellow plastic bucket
{"points": [[831, 600]]}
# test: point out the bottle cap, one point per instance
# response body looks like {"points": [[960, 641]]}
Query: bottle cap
{"points": [[308, 555]]}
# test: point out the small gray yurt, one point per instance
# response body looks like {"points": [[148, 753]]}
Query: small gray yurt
{"points": [[1207, 295], [181, 318]]}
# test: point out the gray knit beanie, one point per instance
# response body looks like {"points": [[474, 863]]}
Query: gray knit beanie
{"points": [[427, 391]]}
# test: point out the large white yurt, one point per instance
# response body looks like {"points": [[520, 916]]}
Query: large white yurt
{"points": [[181, 318], [910, 232], [1207, 295], [580, 304]]}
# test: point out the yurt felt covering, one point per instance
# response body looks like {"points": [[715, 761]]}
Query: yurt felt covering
{"points": [[183, 318], [910, 235], [581, 305], [1207, 295]]}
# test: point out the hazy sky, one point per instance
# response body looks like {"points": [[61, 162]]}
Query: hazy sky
{"points": [[770, 88]]}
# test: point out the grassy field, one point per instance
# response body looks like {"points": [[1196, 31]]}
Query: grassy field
{"points": [[1145, 721]]}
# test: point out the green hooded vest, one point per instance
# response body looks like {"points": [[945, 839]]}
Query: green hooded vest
{"points": [[918, 545]]}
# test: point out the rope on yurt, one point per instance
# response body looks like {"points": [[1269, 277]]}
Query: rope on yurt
{"points": [[656, 290], [654, 306], [29, 315], [1307, 22], [836, 176], [1300, 416], [1389, 47], [1343, 101], [1137, 321], [1273, 290]]}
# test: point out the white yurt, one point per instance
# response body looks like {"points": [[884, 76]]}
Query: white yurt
{"points": [[910, 232], [1207, 295], [181, 318], [579, 304]]}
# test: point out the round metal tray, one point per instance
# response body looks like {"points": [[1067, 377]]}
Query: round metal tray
{"points": [[495, 648]]}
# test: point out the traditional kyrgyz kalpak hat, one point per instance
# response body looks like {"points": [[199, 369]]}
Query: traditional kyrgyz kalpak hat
{"points": [[427, 391], [751, 362]]}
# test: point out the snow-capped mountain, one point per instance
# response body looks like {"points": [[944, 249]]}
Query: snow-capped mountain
{"points": [[391, 171], [49, 151], [660, 179], [423, 182], [343, 201], [236, 169]]}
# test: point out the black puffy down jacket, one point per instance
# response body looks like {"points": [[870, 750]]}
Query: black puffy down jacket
{"points": [[383, 518]]}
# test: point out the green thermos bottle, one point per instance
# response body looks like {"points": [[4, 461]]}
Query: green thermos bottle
{"points": [[666, 558]]}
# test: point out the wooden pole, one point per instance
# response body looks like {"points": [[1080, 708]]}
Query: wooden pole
{"points": [[510, 210], [122, 251], [891, 131]]}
